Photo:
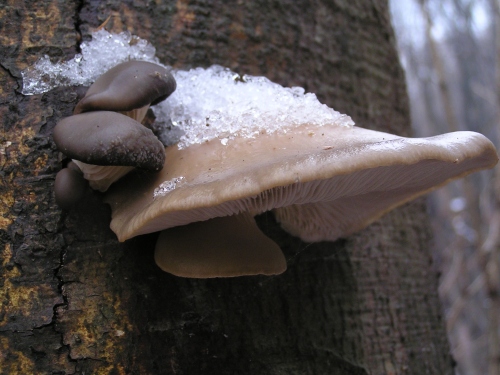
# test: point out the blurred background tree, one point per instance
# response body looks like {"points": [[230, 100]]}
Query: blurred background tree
{"points": [[450, 51]]}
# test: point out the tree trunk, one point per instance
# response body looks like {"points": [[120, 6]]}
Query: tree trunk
{"points": [[75, 301]]}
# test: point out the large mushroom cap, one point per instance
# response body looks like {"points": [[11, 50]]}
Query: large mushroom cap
{"points": [[222, 247], [128, 86], [109, 138], [323, 182]]}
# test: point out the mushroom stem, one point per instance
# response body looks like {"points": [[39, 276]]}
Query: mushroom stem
{"points": [[137, 114], [220, 247], [100, 177]]}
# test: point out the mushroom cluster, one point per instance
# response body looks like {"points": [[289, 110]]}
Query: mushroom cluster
{"points": [[321, 181], [104, 137]]}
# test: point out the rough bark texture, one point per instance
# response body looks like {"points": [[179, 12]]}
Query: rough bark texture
{"points": [[73, 300]]}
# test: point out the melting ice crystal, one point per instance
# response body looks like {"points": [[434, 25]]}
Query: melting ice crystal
{"points": [[207, 104], [167, 186]]}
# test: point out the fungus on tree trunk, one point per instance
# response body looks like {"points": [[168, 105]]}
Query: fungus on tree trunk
{"points": [[251, 146], [128, 86], [107, 145], [321, 182]]}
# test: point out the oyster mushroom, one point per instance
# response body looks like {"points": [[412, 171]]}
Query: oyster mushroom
{"points": [[321, 182], [69, 186], [108, 138], [128, 88], [223, 246]]}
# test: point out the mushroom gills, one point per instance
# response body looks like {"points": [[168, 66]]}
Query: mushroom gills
{"points": [[101, 177], [345, 187], [358, 199], [220, 247], [137, 114]]}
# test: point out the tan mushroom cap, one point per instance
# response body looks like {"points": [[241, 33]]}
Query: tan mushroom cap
{"points": [[323, 182], [221, 247]]}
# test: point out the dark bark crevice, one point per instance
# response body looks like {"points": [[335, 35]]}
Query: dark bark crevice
{"points": [[78, 23]]}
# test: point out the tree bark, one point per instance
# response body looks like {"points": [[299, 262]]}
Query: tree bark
{"points": [[75, 301]]}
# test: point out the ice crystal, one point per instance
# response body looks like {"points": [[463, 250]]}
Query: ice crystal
{"points": [[167, 186], [212, 103], [103, 52]]}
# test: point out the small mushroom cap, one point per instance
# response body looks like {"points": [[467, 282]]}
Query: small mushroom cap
{"points": [[128, 86], [69, 187], [109, 138], [220, 247], [337, 179]]}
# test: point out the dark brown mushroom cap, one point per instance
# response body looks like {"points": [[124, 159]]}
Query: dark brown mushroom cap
{"points": [[127, 86], [109, 138], [69, 187]]}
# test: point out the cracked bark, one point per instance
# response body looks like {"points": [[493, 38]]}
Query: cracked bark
{"points": [[73, 300]]}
